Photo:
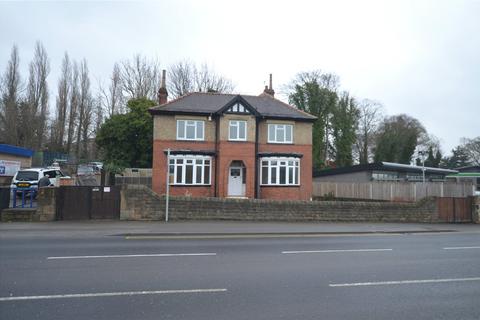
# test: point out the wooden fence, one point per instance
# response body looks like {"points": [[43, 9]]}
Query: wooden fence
{"points": [[392, 191]]}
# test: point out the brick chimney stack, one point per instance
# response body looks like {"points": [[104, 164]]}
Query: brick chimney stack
{"points": [[269, 90], [162, 92]]}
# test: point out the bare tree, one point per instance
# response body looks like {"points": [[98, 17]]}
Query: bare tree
{"points": [[64, 87], [37, 97], [184, 77], [370, 116], [73, 107], [86, 127], [181, 78], [83, 105], [207, 80], [10, 99], [99, 116], [472, 149], [112, 98], [140, 77]]}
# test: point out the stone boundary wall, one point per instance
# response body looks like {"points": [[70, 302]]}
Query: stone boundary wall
{"points": [[476, 210], [141, 203], [44, 210], [46, 204]]}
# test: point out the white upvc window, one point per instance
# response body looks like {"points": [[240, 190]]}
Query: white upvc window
{"points": [[280, 133], [190, 130], [280, 171], [237, 130], [190, 170]]}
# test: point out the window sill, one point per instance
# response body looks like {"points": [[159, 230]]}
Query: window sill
{"points": [[190, 185], [271, 142], [281, 185]]}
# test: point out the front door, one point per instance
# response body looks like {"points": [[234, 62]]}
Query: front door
{"points": [[235, 184]]}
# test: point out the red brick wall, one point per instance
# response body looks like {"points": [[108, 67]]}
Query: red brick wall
{"points": [[302, 192], [230, 151], [159, 169]]}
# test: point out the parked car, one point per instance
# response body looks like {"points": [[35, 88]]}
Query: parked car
{"points": [[85, 170], [27, 179], [98, 166]]}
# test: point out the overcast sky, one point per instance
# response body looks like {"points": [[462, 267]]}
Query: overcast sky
{"points": [[421, 58]]}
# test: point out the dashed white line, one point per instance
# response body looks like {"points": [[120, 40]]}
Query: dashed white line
{"points": [[135, 255], [460, 248], [336, 251], [383, 283], [109, 294]]}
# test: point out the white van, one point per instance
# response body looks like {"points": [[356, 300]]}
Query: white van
{"points": [[28, 178]]}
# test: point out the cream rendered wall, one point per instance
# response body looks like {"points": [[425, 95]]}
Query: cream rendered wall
{"points": [[225, 123], [165, 127], [302, 131]]}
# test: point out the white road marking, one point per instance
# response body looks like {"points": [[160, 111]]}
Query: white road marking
{"points": [[383, 283], [135, 255], [336, 251], [460, 248], [110, 294]]}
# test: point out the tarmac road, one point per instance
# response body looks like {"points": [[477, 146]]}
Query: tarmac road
{"points": [[70, 271]]}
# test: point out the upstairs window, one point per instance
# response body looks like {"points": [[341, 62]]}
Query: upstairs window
{"points": [[237, 130], [190, 130], [280, 133]]}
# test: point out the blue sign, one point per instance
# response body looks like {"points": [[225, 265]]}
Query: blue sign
{"points": [[2, 169]]}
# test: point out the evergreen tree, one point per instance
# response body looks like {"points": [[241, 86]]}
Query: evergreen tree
{"points": [[344, 123], [315, 93], [397, 139], [458, 159], [126, 139]]}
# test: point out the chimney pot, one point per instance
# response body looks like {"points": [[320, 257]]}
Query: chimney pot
{"points": [[162, 92], [269, 89]]}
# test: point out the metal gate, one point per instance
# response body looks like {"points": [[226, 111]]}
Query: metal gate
{"points": [[455, 209], [84, 203]]}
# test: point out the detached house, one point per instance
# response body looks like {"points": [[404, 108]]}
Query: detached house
{"points": [[232, 145]]}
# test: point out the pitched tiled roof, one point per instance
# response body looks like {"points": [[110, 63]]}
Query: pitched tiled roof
{"points": [[209, 103]]}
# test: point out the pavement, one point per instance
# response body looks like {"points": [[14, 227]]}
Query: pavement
{"points": [[219, 228]]}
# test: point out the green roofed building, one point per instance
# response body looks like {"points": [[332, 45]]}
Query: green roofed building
{"points": [[467, 174]]}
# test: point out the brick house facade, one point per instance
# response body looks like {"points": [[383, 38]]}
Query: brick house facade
{"points": [[230, 145]]}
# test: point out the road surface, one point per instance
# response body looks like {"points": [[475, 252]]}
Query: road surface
{"points": [[110, 276]]}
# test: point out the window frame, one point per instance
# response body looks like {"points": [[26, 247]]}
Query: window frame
{"points": [[276, 163], [277, 127], [173, 178], [230, 124], [195, 126], [385, 176]]}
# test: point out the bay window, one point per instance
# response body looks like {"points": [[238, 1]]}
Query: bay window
{"points": [[280, 171], [189, 170]]}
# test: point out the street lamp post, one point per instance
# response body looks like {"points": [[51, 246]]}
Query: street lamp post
{"points": [[422, 154], [168, 185], [423, 169]]}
